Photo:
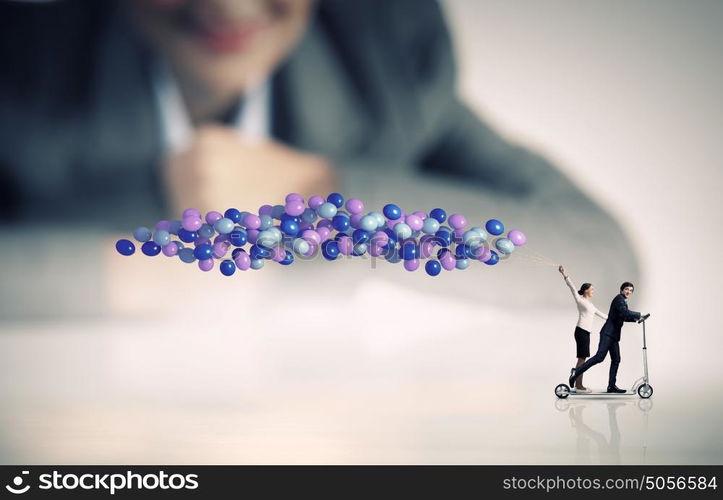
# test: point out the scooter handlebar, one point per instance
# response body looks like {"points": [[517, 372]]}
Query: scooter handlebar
{"points": [[643, 318]]}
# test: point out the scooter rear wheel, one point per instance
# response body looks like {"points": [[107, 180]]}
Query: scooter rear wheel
{"points": [[562, 391], [645, 391]]}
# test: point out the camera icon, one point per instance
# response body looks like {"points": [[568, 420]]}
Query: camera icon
{"points": [[18, 488]]}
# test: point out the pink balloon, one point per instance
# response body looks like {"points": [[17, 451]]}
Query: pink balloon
{"points": [[220, 249], [354, 220], [252, 235], [205, 265], [279, 254], [294, 196], [170, 250], [457, 221], [252, 221]]}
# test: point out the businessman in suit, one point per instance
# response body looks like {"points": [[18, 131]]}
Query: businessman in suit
{"points": [[113, 113], [610, 338]]}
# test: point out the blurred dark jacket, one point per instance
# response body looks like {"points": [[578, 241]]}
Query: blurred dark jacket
{"points": [[371, 85]]}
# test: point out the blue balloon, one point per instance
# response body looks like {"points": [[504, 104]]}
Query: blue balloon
{"points": [[409, 250], [443, 237], [227, 267], [125, 247], [257, 264], [290, 227], [187, 236], [393, 239], [186, 255], [288, 259], [256, 252], [238, 237], [335, 198], [142, 234], [224, 225], [233, 214], [309, 215], [330, 249], [203, 252], [266, 222], [494, 258], [277, 211], [206, 231], [151, 248], [439, 214], [360, 236], [359, 249], [392, 211], [462, 264], [495, 227], [433, 267], [341, 222], [162, 237], [174, 226]]}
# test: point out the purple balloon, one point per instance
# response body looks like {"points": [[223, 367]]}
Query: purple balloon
{"points": [[220, 249], [457, 221], [294, 196], [380, 238], [252, 221], [265, 210], [170, 250], [316, 201], [201, 241], [192, 223], [354, 206], [517, 237], [205, 264], [420, 214], [212, 217], [376, 249], [354, 220], [221, 237], [252, 235], [426, 246], [324, 223], [311, 236], [415, 222], [191, 211], [345, 245], [278, 254], [448, 261], [163, 225], [483, 253], [243, 261], [294, 207], [411, 265], [323, 232]]}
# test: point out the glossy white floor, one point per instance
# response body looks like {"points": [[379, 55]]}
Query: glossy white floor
{"points": [[463, 384]]}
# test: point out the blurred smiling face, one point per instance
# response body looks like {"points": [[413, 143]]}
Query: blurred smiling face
{"points": [[229, 46]]}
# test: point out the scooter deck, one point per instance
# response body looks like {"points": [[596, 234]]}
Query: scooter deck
{"points": [[602, 393]]}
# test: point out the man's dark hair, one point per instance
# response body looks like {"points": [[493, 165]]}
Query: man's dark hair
{"points": [[626, 284]]}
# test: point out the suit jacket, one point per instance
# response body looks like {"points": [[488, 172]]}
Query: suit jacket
{"points": [[372, 85], [619, 313]]}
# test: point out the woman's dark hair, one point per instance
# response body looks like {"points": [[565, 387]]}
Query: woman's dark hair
{"points": [[584, 287]]}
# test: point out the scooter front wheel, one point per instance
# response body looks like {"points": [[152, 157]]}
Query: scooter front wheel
{"points": [[562, 391], [645, 391]]}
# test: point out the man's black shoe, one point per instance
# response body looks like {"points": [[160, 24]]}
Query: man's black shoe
{"points": [[616, 390], [573, 376]]}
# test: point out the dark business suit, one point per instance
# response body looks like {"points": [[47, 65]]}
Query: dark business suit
{"points": [[610, 338], [372, 85]]}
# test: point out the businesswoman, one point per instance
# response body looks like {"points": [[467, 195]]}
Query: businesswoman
{"points": [[586, 313]]}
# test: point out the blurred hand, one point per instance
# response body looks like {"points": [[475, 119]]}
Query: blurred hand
{"points": [[562, 270], [222, 170]]}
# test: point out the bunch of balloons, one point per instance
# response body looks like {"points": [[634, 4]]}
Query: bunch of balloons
{"points": [[283, 233]]}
